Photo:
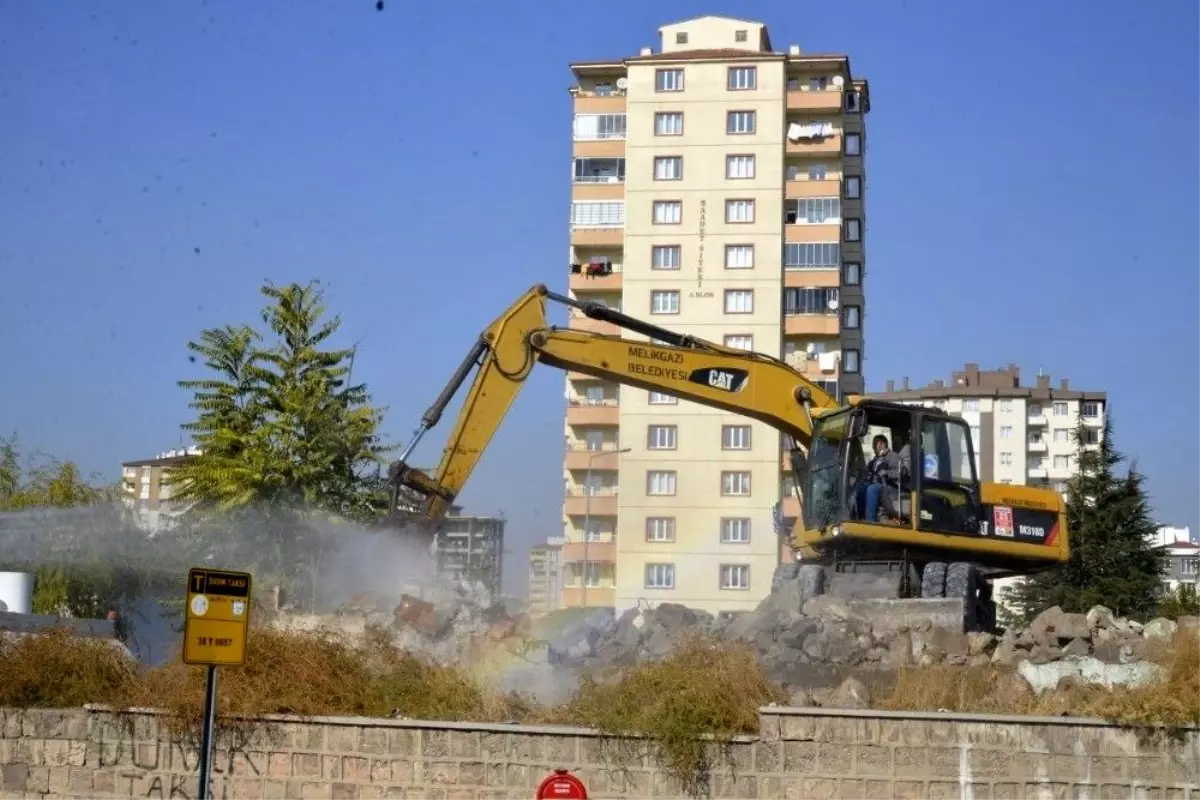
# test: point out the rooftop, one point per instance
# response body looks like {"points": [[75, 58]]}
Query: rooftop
{"points": [[971, 381]]}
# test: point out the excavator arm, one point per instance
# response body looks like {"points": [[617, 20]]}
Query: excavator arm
{"points": [[751, 384]]}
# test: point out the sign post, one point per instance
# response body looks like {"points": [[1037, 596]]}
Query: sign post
{"points": [[214, 635]]}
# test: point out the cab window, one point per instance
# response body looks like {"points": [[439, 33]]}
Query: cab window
{"points": [[946, 452]]}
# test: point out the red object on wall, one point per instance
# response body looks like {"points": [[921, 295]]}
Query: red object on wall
{"points": [[563, 786]]}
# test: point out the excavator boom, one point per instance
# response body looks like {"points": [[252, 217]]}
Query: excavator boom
{"points": [[742, 382]]}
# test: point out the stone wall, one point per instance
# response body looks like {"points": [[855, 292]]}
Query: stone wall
{"points": [[808, 753]]}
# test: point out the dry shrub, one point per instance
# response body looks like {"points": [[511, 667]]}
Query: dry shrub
{"points": [[1173, 700], [59, 670], [976, 690], [700, 689]]}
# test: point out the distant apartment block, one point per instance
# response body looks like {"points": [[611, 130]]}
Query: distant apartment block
{"points": [[718, 190], [471, 547], [145, 492], [1023, 434], [545, 577], [1183, 553]]}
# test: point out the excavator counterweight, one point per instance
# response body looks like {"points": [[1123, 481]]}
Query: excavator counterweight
{"points": [[937, 529]]}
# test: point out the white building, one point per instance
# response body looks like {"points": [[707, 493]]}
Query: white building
{"points": [[1184, 553]]}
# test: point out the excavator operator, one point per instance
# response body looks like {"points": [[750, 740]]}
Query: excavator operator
{"points": [[882, 473]]}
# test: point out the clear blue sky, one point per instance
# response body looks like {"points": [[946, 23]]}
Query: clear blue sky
{"points": [[1033, 176]]}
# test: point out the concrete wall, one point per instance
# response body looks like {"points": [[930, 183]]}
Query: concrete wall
{"points": [[799, 753]]}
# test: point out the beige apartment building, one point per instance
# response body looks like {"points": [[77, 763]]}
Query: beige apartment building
{"points": [[719, 191], [146, 492]]}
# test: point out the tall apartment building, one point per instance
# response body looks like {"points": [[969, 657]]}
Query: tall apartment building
{"points": [[146, 492], [545, 577], [1022, 433], [719, 191], [471, 547]]}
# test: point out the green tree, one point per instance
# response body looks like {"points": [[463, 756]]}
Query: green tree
{"points": [[280, 426], [1114, 561], [287, 443]]}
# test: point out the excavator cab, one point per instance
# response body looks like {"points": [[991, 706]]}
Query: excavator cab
{"points": [[941, 480]]}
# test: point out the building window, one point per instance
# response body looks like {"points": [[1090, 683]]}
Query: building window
{"points": [[1060, 409], [601, 214], [853, 144], [853, 102], [739, 36], [1035, 410], [1062, 462], [660, 399], [660, 576], [743, 78], [668, 212], [660, 529], [853, 230], [661, 437], [853, 187], [739, 301], [739, 122], [739, 341], [818, 83], [739, 256], [812, 211], [1006, 431], [735, 484], [664, 301], [809, 300], [599, 170], [669, 80], [1006, 459], [811, 255], [665, 256], [852, 318], [735, 437], [816, 172], [599, 126], [1091, 436], [970, 405], [1006, 404], [735, 576], [739, 167], [668, 123], [1189, 566], [668, 168], [735, 530], [1090, 410], [660, 483], [852, 273], [850, 359], [739, 211], [1062, 435]]}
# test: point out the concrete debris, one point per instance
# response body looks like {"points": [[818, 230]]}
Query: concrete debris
{"points": [[825, 649]]}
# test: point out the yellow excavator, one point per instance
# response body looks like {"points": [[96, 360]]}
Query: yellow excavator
{"points": [[941, 534]]}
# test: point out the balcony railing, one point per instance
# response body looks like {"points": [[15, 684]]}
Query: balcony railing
{"points": [[606, 402], [605, 491]]}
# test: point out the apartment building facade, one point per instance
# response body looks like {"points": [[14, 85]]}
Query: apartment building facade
{"points": [[545, 577], [146, 492], [470, 547], [718, 190]]}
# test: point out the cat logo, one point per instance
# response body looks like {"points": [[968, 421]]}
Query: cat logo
{"points": [[727, 380]]}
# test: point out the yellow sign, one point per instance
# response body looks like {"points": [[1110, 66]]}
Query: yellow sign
{"points": [[217, 618]]}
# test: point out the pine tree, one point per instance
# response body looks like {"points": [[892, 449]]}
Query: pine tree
{"points": [[1114, 561]]}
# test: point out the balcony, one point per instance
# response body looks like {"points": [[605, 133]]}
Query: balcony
{"points": [[791, 506], [816, 368], [597, 552], [583, 458], [814, 277], [815, 100], [597, 597], [1037, 446], [578, 322], [813, 188], [823, 146], [592, 102], [608, 147], [1039, 472], [811, 324], [602, 503], [1038, 418], [598, 235], [596, 276], [584, 412], [819, 233]]}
